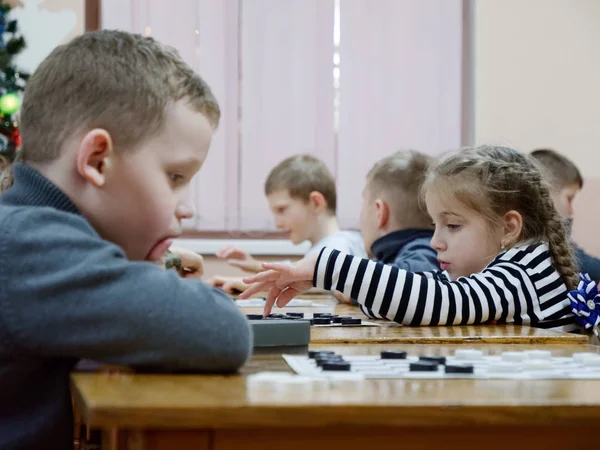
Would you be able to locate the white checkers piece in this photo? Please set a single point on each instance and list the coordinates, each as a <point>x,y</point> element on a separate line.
<point>288,382</point>
<point>592,361</point>
<point>513,356</point>
<point>539,354</point>
<point>266,380</point>
<point>294,383</point>
<point>505,367</point>
<point>538,364</point>
<point>581,357</point>
<point>468,355</point>
<point>320,383</point>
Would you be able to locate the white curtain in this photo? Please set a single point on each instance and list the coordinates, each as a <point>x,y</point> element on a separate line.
<point>270,64</point>
<point>400,86</point>
<point>206,34</point>
<point>287,93</point>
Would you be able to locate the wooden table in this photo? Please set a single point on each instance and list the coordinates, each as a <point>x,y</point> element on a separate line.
<point>392,333</point>
<point>218,412</point>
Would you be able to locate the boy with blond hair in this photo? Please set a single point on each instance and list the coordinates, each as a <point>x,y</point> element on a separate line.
<point>565,182</point>
<point>114,127</point>
<point>302,198</point>
<point>395,227</point>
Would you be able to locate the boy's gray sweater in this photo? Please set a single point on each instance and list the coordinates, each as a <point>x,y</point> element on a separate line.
<point>67,294</point>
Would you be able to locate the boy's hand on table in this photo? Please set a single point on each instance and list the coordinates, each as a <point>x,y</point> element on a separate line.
<point>283,281</point>
<point>239,258</point>
<point>231,285</point>
<point>188,264</point>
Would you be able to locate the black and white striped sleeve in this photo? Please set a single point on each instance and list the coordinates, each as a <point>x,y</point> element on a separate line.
<point>503,292</point>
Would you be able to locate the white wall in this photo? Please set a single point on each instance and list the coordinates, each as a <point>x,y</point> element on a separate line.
<point>46,24</point>
<point>537,76</point>
<point>537,83</point>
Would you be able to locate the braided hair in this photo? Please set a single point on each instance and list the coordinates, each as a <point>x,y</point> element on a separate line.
<point>494,180</point>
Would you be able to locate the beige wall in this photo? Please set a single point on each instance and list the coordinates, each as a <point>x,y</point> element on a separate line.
<point>537,83</point>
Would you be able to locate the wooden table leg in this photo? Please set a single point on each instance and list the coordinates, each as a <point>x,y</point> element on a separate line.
<point>113,439</point>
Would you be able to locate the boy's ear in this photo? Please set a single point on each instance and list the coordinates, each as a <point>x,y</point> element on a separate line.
<point>513,225</point>
<point>383,213</point>
<point>94,156</point>
<point>318,201</point>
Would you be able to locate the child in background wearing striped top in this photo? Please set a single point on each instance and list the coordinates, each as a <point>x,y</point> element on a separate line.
<point>501,245</point>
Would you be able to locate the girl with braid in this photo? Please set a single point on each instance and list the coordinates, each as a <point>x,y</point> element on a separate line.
<point>501,245</point>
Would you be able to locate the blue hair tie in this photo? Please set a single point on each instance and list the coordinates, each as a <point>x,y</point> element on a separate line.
<point>585,303</point>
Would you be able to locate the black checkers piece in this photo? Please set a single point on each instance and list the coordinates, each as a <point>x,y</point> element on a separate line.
<point>321,321</point>
<point>329,315</point>
<point>340,366</point>
<point>435,359</point>
<point>459,368</point>
<point>296,315</point>
<point>338,319</point>
<point>276,316</point>
<point>351,321</point>
<point>254,316</point>
<point>423,366</point>
<point>315,353</point>
<point>393,354</point>
<point>324,360</point>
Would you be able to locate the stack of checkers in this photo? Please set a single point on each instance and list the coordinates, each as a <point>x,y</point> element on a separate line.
<point>317,319</point>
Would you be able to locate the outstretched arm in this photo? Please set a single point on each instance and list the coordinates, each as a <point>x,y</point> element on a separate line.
<point>503,292</point>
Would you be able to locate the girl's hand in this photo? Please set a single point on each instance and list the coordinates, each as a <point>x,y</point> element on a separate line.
<point>283,281</point>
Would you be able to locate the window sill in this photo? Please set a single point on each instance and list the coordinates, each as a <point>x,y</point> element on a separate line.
<point>252,246</point>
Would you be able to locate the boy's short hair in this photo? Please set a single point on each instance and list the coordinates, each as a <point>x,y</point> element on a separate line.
<point>118,81</point>
<point>400,176</point>
<point>558,169</point>
<point>300,175</point>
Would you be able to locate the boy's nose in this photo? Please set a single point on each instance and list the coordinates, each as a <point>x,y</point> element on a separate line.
<point>185,211</point>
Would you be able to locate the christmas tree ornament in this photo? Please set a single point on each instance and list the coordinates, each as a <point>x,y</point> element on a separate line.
<point>12,81</point>
<point>9,104</point>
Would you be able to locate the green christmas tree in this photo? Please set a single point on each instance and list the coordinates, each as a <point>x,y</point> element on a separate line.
<point>12,82</point>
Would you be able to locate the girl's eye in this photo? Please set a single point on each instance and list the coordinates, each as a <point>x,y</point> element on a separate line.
<point>453,226</point>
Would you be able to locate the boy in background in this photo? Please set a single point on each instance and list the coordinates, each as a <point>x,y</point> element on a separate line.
<point>302,198</point>
<point>565,182</point>
<point>114,127</point>
<point>395,227</point>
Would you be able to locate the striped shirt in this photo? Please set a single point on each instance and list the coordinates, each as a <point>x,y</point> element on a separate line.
<point>519,286</point>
